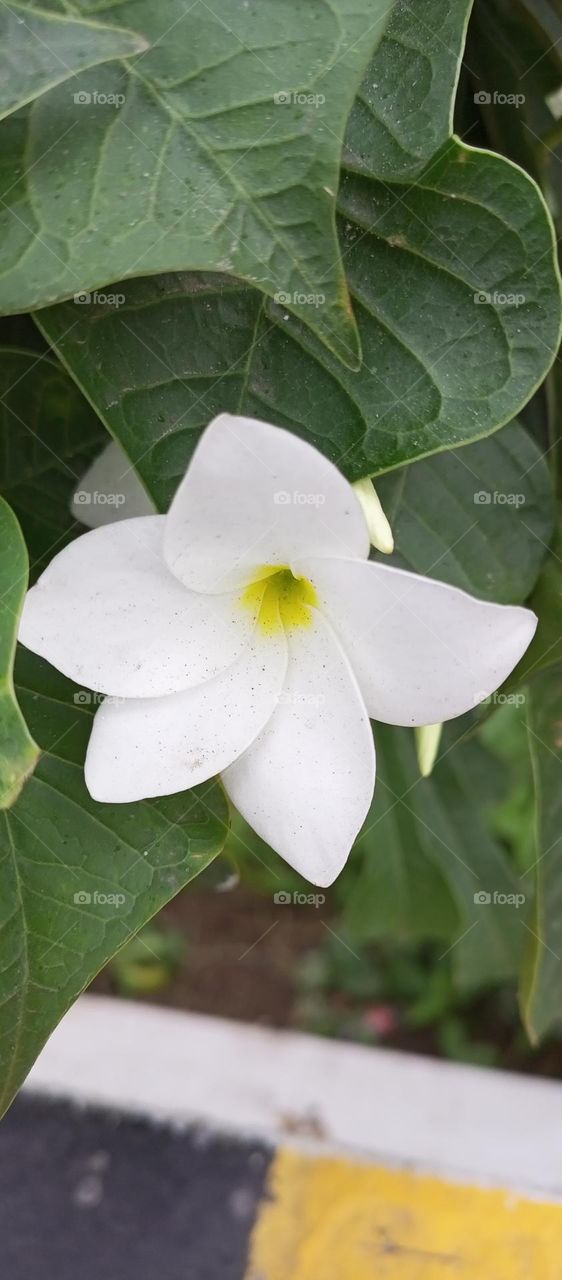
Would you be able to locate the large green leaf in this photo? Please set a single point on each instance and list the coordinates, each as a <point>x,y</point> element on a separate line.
<point>542,978</point>
<point>77,878</point>
<point>217,149</point>
<point>440,368</point>
<point>49,434</point>
<point>428,837</point>
<point>18,752</point>
<point>39,50</point>
<point>479,518</point>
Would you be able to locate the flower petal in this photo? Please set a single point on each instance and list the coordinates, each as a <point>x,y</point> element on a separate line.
<point>306,783</point>
<point>145,747</point>
<point>422,651</point>
<point>110,490</point>
<point>253,495</point>
<point>108,613</point>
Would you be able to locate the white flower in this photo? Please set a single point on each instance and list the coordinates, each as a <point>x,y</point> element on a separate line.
<point>246,634</point>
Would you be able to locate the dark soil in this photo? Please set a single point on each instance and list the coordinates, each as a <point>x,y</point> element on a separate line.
<point>241,954</point>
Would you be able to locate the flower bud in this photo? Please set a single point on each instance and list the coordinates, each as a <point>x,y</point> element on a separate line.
<point>380,531</point>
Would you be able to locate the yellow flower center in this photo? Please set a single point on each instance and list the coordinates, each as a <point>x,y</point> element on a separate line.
<point>282,599</point>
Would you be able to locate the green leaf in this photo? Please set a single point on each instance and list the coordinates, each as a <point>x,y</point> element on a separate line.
<point>18,753</point>
<point>440,369</point>
<point>403,113</point>
<point>479,518</point>
<point>49,436</point>
<point>186,160</point>
<point>39,50</point>
<point>542,975</point>
<point>457,297</point>
<point>77,878</point>
<point>392,888</point>
<point>545,651</point>
<point>428,837</point>
<point>181,348</point>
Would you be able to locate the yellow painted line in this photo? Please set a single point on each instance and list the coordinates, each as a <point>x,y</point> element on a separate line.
<point>334,1220</point>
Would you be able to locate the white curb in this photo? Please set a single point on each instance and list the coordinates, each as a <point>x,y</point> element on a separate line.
<point>467,1123</point>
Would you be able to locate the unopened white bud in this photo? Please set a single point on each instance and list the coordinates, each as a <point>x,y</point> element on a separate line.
<point>380,531</point>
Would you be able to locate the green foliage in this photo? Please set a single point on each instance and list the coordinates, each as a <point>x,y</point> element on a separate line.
<point>217,148</point>
<point>18,752</point>
<point>79,878</point>
<point>427,857</point>
<point>542,987</point>
<point>479,518</point>
<point>342,263</point>
<point>50,435</point>
<point>39,50</point>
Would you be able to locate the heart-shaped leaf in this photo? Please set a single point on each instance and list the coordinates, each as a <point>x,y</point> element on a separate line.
<point>216,149</point>
<point>78,879</point>
<point>39,50</point>
<point>18,752</point>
